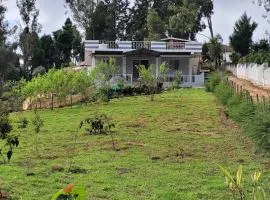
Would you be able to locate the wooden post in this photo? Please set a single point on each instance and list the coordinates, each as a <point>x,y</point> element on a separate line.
<point>52,95</point>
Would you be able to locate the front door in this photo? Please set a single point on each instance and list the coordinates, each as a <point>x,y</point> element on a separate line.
<point>136,64</point>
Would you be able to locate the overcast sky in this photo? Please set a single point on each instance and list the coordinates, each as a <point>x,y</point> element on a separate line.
<point>53,15</point>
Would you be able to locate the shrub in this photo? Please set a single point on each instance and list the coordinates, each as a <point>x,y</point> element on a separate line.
<point>99,125</point>
<point>253,118</point>
<point>70,192</point>
<point>148,79</point>
<point>213,80</point>
<point>236,186</point>
<point>223,92</point>
<point>10,139</point>
<point>258,128</point>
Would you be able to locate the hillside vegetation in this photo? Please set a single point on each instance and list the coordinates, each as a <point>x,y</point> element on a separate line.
<point>166,149</point>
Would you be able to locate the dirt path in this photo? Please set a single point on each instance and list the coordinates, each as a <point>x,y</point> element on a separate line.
<point>257,93</point>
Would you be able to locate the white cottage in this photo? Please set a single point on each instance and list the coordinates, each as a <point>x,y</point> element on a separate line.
<point>180,54</point>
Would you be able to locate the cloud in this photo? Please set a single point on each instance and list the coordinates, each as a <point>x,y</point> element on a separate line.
<point>226,12</point>
<point>52,14</point>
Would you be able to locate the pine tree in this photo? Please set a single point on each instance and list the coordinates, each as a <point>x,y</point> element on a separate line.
<point>241,39</point>
<point>66,40</point>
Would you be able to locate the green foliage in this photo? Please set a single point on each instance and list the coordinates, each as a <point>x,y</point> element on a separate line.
<point>253,118</point>
<point>182,23</point>
<point>262,45</point>
<point>103,73</point>
<point>259,57</point>
<point>61,82</point>
<point>215,50</point>
<point>39,71</point>
<point>178,79</point>
<point>235,57</point>
<point>67,39</point>
<point>155,25</point>
<point>164,69</point>
<point>241,39</point>
<point>22,123</point>
<point>235,184</point>
<point>70,192</point>
<point>213,80</point>
<point>10,140</point>
<point>99,125</point>
<point>148,78</point>
<point>38,123</point>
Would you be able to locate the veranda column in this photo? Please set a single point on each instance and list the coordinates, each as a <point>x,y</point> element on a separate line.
<point>93,61</point>
<point>157,66</point>
<point>124,65</point>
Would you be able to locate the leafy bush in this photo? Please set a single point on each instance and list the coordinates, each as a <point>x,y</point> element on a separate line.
<point>148,79</point>
<point>10,139</point>
<point>99,125</point>
<point>213,80</point>
<point>70,192</point>
<point>224,92</point>
<point>259,57</point>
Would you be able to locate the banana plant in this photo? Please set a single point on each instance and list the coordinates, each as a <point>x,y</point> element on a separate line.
<point>235,185</point>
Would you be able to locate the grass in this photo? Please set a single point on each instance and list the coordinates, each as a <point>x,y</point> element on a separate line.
<point>168,149</point>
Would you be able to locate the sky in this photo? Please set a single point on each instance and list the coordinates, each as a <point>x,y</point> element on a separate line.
<point>53,15</point>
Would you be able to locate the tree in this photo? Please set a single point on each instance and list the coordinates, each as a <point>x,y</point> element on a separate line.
<point>8,63</point>
<point>66,40</point>
<point>205,52</point>
<point>262,45</point>
<point>183,22</point>
<point>163,8</point>
<point>3,24</point>
<point>137,25</point>
<point>83,11</point>
<point>155,26</point>
<point>28,41</point>
<point>215,50</point>
<point>99,22</point>
<point>46,43</point>
<point>241,39</point>
<point>207,7</point>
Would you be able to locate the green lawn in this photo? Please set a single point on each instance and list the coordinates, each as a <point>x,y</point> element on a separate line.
<point>168,149</point>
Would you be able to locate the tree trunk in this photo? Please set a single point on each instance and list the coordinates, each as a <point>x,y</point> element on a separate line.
<point>1,83</point>
<point>210,25</point>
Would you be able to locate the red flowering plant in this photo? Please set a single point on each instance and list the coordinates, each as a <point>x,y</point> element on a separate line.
<point>70,192</point>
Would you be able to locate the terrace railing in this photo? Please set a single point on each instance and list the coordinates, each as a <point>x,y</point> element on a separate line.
<point>190,46</point>
<point>127,78</point>
<point>175,45</point>
<point>141,45</point>
<point>108,44</point>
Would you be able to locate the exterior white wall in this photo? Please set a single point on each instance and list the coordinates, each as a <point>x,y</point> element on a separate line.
<point>257,74</point>
<point>226,57</point>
